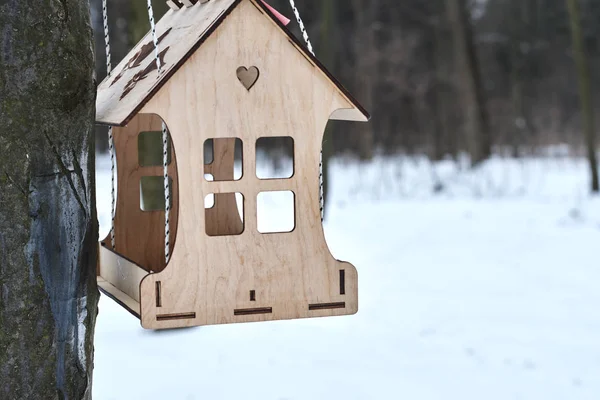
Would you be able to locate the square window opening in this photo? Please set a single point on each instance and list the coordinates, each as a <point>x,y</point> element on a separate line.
<point>223,159</point>
<point>152,193</point>
<point>209,201</point>
<point>224,214</point>
<point>276,212</point>
<point>150,149</point>
<point>275,157</point>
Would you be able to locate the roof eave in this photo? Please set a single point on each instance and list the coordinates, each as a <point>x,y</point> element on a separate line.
<point>358,113</point>
<point>349,114</point>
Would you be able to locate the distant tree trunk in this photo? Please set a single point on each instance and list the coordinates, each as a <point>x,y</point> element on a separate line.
<point>516,81</point>
<point>118,17</point>
<point>477,119</point>
<point>520,34</point>
<point>365,12</point>
<point>139,24</point>
<point>48,224</point>
<point>585,93</point>
<point>327,56</point>
<point>439,106</point>
<point>444,142</point>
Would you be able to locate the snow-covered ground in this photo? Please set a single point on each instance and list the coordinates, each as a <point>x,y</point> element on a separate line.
<point>472,286</point>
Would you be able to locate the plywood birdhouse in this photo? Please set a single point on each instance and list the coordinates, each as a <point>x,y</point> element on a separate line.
<point>231,73</point>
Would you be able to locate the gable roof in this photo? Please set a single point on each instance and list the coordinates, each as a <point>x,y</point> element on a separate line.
<point>180,33</point>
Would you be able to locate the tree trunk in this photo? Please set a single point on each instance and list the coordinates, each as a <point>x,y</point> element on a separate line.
<point>327,56</point>
<point>139,24</point>
<point>443,141</point>
<point>477,119</point>
<point>585,94</point>
<point>48,224</point>
<point>120,44</point>
<point>365,68</point>
<point>520,33</point>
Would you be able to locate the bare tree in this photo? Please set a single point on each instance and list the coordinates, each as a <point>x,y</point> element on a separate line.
<point>48,224</point>
<point>119,12</point>
<point>365,12</point>
<point>585,90</point>
<point>477,119</point>
<point>327,54</point>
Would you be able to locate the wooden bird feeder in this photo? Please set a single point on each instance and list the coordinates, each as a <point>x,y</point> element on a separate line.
<point>231,72</point>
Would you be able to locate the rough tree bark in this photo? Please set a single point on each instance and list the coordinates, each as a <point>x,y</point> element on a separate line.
<point>477,119</point>
<point>48,224</point>
<point>585,90</point>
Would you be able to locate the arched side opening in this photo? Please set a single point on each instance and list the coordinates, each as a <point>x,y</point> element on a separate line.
<point>140,204</point>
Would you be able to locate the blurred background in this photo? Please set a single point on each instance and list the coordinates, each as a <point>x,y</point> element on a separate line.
<point>441,78</point>
<point>466,205</point>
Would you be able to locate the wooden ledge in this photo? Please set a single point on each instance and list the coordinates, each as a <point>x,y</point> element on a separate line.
<point>120,279</point>
<point>118,296</point>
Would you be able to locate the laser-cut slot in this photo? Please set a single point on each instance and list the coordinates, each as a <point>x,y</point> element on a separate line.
<point>253,295</point>
<point>171,317</point>
<point>253,311</point>
<point>176,4</point>
<point>158,295</point>
<point>326,306</point>
<point>342,281</point>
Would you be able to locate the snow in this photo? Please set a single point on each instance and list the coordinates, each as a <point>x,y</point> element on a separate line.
<point>472,285</point>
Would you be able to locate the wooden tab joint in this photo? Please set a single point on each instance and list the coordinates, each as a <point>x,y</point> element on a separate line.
<point>179,4</point>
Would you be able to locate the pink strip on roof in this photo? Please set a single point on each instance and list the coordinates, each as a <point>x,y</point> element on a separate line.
<point>285,21</point>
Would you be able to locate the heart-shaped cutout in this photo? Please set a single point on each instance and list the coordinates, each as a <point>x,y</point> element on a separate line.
<point>248,76</point>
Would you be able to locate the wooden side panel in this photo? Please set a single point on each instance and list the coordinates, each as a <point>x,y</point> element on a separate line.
<point>140,235</point>
<point>251,276</point>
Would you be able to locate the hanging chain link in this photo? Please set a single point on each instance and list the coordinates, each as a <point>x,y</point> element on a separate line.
<point>111,147</point>
<point>165,136</point>
<point>310,48</point>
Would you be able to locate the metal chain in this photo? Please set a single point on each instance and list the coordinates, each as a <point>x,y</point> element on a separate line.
<point>111,147</point>
<point>165,135</point>
<point>310,48</point>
